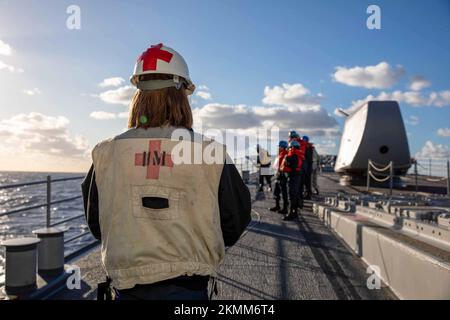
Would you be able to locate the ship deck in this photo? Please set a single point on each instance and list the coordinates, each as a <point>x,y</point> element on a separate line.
<point>273,259</point>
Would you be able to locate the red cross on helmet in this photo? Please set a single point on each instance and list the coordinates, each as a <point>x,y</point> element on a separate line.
<point>161,59</point>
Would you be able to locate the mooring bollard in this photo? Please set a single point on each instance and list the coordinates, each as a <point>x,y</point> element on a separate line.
<point>20,265</point>
<point>50,251</point>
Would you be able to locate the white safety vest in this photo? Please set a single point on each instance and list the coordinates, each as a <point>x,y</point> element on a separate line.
<point>141,245</point>
<point>264,158</point>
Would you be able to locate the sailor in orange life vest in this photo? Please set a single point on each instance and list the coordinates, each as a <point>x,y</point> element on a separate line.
<point>294,136</point>
<point>281,180</point>
<point>163,224</point>
<point>292,164</point>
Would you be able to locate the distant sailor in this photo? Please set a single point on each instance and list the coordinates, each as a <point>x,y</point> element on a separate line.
<point>292,165</point>
<point>294,136</point>
<point>163,224</point>
<point>305,188</point>
<point>263,161</point>
<point>281,180</point>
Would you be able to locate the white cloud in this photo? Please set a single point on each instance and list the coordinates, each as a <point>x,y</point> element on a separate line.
<point>418,83</point>
<point>292,95</point>
<point>104,115</point>
<point>431,150</point>
<point>289,106</point>
<point>247,119</point>
<point>444,132</point>
<point>10,68</point>
<point>204,95</point>
<point>224,116</point>
<point>412,98</point>
<point>203,87</point>
<point>111,82</point>
<point>32,92</point>
<point>36,133</point>
<point>5,49</point>
<point>412,120</point>
<point>439,99</point>
<point>120,95</point>
<point>326,147</point>
<point>203,92</point>
<point>6,66</point>
<point>379,76</point>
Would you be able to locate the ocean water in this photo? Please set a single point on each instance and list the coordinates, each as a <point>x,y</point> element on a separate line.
<point>23,223</point>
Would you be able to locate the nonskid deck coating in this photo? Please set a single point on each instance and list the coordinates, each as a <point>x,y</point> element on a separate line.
<point>274,259</point>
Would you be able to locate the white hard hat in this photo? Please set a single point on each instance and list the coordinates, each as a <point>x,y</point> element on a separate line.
<point>161,59</point>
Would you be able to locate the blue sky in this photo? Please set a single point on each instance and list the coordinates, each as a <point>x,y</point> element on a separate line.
<point>235,48</point>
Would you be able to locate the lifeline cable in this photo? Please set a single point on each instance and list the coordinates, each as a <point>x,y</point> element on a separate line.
<point>377,179</point>
<point>379,169</point>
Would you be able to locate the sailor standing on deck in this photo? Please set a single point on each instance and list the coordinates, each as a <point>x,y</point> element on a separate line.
<point>294,136</point>
<point>281,180</point>
<point>307,169</point>
<point>163,223</point>
<point>292,165</point>
<point>263,161</point>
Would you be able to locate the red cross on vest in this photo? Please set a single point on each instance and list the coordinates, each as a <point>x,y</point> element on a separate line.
<point>150,57</point>
<point>153,159</point>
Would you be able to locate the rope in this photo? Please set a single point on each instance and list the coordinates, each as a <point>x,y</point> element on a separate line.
<point>379,169</point>
<point>377,179</point>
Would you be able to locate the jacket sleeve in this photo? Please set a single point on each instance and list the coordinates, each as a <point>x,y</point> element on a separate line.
<point>90,201</point>
<point>234,204</point>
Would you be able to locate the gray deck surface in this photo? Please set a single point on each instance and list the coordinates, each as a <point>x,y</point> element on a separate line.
<point>273,260</point>
<point>292,260</point>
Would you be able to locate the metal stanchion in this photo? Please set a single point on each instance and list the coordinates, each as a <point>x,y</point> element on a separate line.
<point>391,174</point>
<point>416,178</point>
<point>49,200</point>
<point>429,168</point>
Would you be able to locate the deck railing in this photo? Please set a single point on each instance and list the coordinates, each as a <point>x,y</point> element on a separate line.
<point>441,172</point>
<point>434,168</point>
<point>48,204</point>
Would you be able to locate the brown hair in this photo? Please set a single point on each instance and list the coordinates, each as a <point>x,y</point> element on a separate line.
<point>156,108</point>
